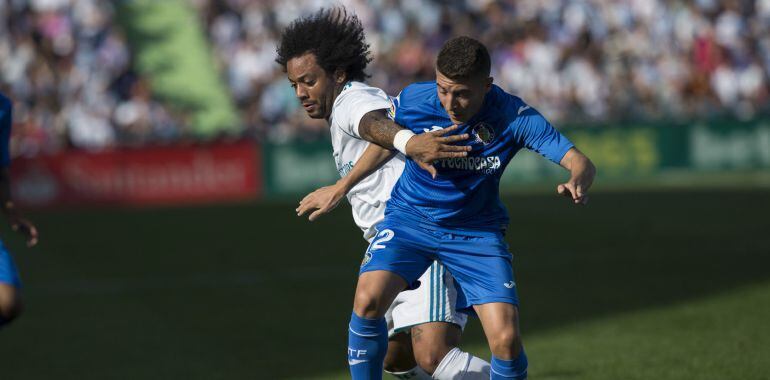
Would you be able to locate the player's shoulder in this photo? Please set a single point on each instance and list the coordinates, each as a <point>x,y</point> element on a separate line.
<point>513,108</point>
<point>356,90</point>
<point>417,92</point>
<point>419,96</point>
<point>354,94</point>
<point>418,89</point>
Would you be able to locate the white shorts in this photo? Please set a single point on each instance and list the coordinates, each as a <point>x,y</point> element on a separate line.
<point>433,301</point>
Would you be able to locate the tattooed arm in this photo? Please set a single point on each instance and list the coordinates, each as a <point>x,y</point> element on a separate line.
<point>376,127</point>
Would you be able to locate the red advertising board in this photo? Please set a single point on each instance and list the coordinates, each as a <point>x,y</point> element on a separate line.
<point>146,176</point>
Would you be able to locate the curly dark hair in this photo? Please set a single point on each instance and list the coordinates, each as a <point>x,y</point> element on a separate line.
<point>335,37</point>
<point>462,58</point>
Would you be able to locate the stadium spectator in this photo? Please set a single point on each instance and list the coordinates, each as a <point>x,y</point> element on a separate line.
<point>68,69</point>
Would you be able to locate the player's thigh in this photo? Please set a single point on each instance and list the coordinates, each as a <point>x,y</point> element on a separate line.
<point>375,291</point>
<point>482,269</point>
<point>432,341</point>
<point>400,357</point>
<point>400,248</point>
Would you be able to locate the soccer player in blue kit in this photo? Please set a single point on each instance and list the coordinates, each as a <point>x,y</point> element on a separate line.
<point>456,217</point>
<point>10,301</point>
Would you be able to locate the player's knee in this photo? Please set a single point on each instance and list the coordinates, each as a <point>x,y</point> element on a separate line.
<point>367,305</point>
<point>506,344</point>
<point>429,360</point>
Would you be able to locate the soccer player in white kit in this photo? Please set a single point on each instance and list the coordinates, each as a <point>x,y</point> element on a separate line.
<point>324,56</point>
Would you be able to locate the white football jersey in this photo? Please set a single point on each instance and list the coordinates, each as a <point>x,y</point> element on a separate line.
<point>369,196</point>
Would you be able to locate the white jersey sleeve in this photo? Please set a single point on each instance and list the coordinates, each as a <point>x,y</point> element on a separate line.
<point>356,100</point>
<point>369,196</point>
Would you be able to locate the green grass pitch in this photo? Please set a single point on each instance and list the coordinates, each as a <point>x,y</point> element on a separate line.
<point>664,285</point>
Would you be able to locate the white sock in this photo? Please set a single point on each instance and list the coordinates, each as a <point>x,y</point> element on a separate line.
<point>459,365</point>
<point>477,369</point>
<point>415,373</point>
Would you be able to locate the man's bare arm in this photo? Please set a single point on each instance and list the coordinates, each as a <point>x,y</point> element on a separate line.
<point>582,173</point>
<point>376,127</point>
<point>327,198</point>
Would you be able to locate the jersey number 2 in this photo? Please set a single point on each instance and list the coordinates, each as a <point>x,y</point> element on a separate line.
<point>382,237</point>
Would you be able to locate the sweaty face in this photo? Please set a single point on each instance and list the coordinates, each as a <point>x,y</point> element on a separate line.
<point>462,98</point>
<point>313,86</point>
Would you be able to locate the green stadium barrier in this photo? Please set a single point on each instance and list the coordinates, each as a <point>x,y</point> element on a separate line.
<point>660,154</point>
<point>688,154</point>
<point>296,168</point>
<point>170,48</point>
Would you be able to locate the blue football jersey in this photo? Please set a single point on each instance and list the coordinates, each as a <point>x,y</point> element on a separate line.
<point>5,130</point>
<point>465,194</point>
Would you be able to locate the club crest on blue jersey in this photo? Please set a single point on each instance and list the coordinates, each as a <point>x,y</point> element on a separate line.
<point>483,133</point>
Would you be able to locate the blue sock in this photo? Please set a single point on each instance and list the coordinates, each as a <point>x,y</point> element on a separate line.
<point>510,369</point>
<point>367,345</point>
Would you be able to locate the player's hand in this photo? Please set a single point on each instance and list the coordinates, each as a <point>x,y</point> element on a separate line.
<point>25,228</point>
<point>321,201</point>
<point>431,146</point>
<point>576,189</point>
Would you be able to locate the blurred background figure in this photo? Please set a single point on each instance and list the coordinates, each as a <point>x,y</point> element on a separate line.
<point>10,283</point>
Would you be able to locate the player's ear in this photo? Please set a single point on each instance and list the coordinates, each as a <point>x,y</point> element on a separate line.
<point>340,76</point>
<point>488,85</point>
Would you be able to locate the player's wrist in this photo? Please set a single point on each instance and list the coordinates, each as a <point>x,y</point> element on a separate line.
<point>400,140</point>
<point>343,185</point>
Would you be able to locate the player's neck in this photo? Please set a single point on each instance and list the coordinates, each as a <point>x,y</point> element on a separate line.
<point>337,91</point>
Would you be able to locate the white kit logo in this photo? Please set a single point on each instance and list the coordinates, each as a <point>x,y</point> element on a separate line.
<point>510,284</point>
<point>356,353</point>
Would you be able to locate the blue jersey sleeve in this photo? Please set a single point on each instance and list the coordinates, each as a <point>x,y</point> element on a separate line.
<point>6,108</point>
<point>535,133</point>
<point>414,101</point>
<point>397,110</point>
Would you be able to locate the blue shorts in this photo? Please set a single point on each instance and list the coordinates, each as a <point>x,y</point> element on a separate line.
<point>8,273</point>
<point>478,260</point>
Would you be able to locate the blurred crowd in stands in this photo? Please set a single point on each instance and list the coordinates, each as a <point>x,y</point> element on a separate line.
<point>68,66</point>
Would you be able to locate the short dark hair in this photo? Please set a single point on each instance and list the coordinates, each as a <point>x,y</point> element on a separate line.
<point>335,37</point>
<point>462,58</point>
